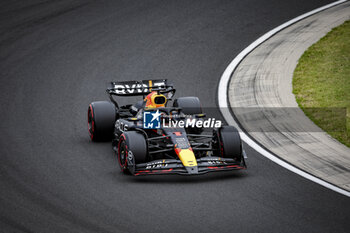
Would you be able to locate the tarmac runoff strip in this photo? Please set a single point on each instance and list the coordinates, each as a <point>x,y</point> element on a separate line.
<point>260,78</point>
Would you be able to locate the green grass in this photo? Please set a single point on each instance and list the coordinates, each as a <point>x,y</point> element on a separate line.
<point>321,83</point>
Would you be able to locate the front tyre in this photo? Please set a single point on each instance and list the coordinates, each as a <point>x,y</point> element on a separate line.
<point>229,142</point>
<point>132,150</point>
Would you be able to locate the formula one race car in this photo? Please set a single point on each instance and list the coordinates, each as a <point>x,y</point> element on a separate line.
<point>150,138</point>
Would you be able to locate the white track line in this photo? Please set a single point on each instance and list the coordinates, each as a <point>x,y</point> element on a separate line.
<point>224,107</point>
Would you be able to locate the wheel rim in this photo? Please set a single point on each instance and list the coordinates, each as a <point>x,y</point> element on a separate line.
<point>122,153</point>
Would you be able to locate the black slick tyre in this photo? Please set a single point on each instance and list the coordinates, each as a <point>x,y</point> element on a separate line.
<point>101,119</point>
<point>132,150</point>
<point>229,143</point>
<point>190,106</point>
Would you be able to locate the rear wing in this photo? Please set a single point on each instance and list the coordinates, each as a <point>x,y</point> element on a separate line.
<point>136,88</point>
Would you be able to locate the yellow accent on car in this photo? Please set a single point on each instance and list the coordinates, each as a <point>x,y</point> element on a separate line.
<point>187,158</point>
<point>150,84</point>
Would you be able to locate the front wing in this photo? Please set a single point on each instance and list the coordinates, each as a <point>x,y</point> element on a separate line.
<point>175,166</point>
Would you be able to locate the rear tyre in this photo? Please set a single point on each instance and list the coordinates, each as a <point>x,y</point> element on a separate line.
<point>132,150</point>
<point>190,105</point>
<point>101,119</point>
<point>229,142</point>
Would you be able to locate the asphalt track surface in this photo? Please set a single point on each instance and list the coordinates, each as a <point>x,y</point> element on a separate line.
<point>57,56</point>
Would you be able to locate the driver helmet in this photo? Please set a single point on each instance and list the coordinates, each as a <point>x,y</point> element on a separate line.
<point>155,100</point>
